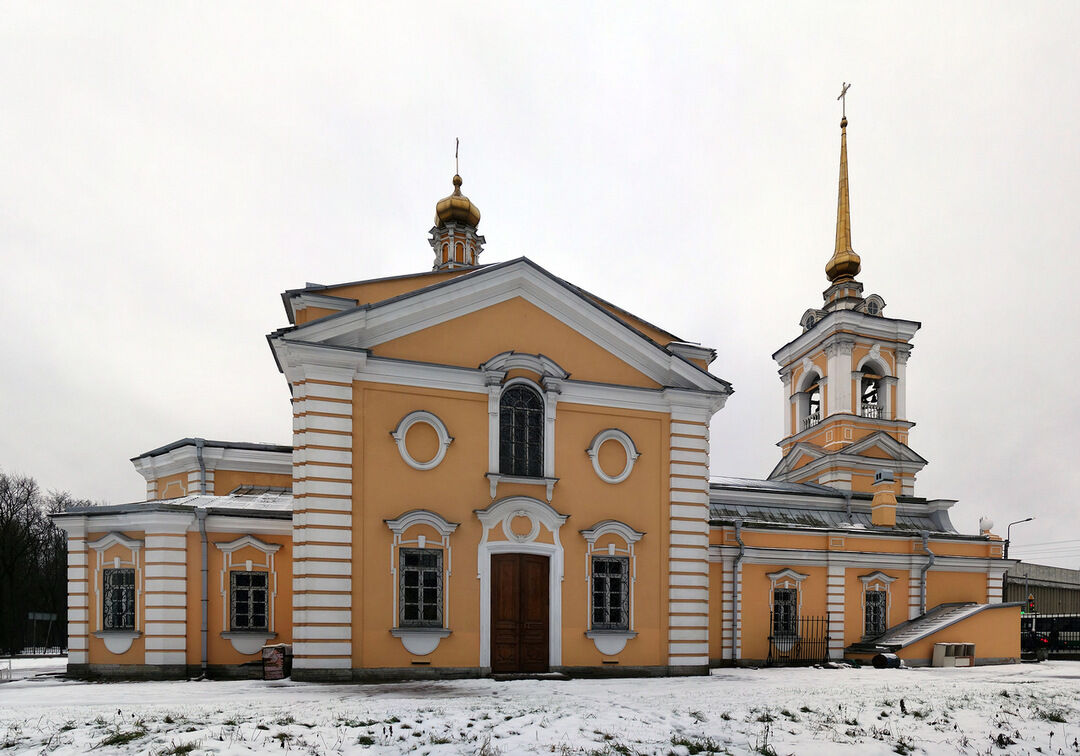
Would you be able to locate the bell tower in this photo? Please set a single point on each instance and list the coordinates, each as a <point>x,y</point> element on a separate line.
<point>845,378</point>
<point>454,238</point>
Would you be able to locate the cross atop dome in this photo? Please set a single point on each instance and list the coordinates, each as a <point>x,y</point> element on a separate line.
<point>454,237</point>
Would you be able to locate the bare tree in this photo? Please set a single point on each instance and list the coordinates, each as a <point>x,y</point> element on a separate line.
<point>33,561</point>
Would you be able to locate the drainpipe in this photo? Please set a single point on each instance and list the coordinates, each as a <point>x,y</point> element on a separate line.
<point>200,515</point>
<point>736,598</point>
<point>925,569</point>
<point>199,442</point>
<point>847,506</point>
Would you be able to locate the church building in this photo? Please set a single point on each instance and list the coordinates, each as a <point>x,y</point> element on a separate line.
<point>494,471</point>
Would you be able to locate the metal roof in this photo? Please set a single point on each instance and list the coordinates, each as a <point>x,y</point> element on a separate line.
<point>753,484</point>
<point>215,445</point>
<point>244,502</point>
<point>820,517</point>
<point>774,503</point>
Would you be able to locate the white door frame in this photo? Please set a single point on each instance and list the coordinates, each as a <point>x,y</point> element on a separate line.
<point>500,514</point>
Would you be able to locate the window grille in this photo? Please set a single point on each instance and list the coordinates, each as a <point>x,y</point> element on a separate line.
<point>876,621</point>
<point>118,610</point>
<point>521,432</point>
<point>785,612</point>
<point>249,606</point>
<point>610,593</point>
<point>420,599</point>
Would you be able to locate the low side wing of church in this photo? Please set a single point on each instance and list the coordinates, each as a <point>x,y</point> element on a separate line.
<point>494,471</point>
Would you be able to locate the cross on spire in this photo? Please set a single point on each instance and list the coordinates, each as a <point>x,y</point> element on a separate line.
<point>843,100</point>
<point>457,143</point>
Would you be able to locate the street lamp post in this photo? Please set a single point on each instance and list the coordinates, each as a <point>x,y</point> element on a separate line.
<point>1008,529</point>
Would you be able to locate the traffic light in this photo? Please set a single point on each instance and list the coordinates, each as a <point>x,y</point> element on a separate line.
<point>1031,603</point>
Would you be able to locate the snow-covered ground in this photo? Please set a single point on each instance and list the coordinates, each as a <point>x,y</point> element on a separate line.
<point>1028,708</point>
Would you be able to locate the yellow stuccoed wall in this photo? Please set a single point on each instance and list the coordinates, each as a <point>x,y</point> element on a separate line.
<point>384,487</point>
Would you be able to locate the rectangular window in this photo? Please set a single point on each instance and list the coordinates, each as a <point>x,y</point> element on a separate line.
<point>249,607</point>
<point>876,619</point>
<point>420,589</point>
<point>610,593</point>
<point>785,612</point>
<point>118,605</point>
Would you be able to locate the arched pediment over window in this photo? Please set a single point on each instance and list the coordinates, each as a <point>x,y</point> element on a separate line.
<point>536,363</point>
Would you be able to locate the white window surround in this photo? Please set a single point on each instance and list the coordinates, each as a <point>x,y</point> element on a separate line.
<point>786,578</point>
<point>428,418</point>
<point>536,511</point>
<point>789,579</point>
<point>420,641</point>
<point>878,363</point>
<point>549,387</point>
<point>624,440</point>
<point>876,581</point>
<point>610,642</point>
<point>248,642</point>
<point>807,380</point>
<point>116,641</point>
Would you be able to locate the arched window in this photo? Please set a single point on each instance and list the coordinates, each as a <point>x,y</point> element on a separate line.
<point>870,393</point>
<point>521,432</point>
<point>810,404</point>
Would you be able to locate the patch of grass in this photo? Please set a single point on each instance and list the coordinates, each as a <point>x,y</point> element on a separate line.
<point>69,725</point>
<point>1003,741</point>
<point>904,745</point>
<point>395,720</point>
<point>726,716</point>
<point>365,740</point>
<point>698,745</point>
<point>286,720</point>
<point>262,726</point>
<point>789,715</point>
<point>168,719</point>
<point>440,740</point>
<point>698,717</point>
<point>765,716</point>
<point>1054,715</point>
<point>357,722</point>
<point>119,738</point>
<point>805,709</point>
<point>283,738</point>
<point>178,749</point>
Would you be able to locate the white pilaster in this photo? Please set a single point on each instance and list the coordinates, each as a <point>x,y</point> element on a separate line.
<point>835,588</point>
<point>322,519</point>
<point>688,644</point>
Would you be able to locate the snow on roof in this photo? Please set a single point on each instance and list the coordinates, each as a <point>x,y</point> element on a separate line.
<point>246,501</point>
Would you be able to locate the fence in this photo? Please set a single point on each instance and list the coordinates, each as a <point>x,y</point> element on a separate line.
<point>798,640</point>
<point>1062,632</point>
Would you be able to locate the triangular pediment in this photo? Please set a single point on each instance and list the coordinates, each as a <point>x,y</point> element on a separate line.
<point>883,446</point>
<point>462,308</point>
<point>878,445</point>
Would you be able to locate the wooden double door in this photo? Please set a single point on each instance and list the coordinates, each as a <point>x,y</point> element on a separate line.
<point>519,613</point>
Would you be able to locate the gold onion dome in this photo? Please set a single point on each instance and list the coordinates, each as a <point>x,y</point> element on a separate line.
<point>845,264</point>
<point>457,208</point>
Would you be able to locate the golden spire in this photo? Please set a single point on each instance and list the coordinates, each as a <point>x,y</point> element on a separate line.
<point>844,264</point>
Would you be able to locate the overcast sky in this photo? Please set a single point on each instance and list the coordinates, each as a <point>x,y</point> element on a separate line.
<point>166,170</point>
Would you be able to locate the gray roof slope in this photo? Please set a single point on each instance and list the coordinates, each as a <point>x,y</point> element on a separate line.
<point>215,445</point>
<point>753,484</point>
<point>817,517</point>
<point>812,505</point>
<point>244,502</point>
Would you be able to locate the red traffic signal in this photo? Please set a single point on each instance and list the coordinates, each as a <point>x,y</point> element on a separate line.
<point>1031,603</point>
